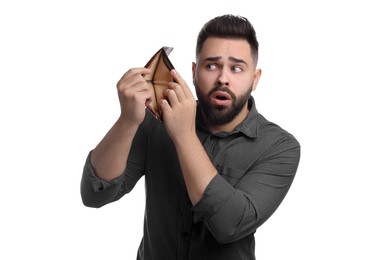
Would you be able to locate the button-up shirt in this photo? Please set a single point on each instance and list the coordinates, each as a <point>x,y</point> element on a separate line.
<point>256,163</point>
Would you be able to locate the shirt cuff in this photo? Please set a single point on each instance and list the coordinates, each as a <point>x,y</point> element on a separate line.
<point>216,195</point>
<point>97,184</point>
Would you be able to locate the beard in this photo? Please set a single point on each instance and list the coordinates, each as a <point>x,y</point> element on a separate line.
<point>217,115</point>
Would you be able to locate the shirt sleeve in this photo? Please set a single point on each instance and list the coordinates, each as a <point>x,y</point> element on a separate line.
<point>233,212</point>
<point>96,192</point>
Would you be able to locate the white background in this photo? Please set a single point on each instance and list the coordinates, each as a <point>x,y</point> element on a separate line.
<point>325,79</point>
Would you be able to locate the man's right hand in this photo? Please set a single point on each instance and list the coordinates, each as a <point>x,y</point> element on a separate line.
<point>134,95</point>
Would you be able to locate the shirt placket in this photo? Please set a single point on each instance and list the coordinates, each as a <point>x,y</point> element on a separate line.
<point>185,232</point>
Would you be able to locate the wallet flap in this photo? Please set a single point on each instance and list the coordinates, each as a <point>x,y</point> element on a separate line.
<point>159,78</point>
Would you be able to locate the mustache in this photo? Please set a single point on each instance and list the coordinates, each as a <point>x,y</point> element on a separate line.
<point>222,88</point>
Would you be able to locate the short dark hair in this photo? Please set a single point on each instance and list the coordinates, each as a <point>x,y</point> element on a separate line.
<point>229,26</point>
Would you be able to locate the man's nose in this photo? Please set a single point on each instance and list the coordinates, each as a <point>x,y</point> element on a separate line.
<point>223,78</point>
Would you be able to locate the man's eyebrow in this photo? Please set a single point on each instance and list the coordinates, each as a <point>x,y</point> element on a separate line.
<point>237,60</point>
<point>213,58</point>
<point>217,58</point>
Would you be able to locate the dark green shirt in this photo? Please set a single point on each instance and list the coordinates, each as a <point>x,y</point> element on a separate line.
<point>256,164</point>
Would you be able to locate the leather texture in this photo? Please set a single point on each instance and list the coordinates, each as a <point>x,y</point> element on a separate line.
<point>159,78</point>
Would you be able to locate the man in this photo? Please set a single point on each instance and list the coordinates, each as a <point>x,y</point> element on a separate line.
<point>214,170</point>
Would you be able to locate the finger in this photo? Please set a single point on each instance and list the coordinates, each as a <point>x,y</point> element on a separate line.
<point>135,71</point>
<point>178,89</point>
<point>171,96</point>
<point>165,108</point>
<point>136,83</point>
<point>181,81</point>
<point>135,96</point>
<point>134,77</point>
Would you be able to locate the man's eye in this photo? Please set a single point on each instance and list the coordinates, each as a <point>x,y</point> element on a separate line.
<point>211,66</point>
<point>236,69</point>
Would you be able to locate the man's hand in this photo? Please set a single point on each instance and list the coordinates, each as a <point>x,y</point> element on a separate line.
<point>134,95</point>
<point>179,108</point>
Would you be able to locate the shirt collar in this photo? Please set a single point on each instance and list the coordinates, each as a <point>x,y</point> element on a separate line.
<point>248,126</point>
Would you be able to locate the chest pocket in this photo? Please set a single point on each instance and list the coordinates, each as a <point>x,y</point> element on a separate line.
<point>231,175</point>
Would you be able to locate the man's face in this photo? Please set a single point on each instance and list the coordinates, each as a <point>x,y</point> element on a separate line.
<point>224,78</point>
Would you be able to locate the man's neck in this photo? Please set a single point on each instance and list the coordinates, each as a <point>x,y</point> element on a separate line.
<point>229,127</point>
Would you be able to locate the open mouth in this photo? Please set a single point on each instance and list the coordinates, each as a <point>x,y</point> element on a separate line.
<point>221,95</point>
<point>221,98</point>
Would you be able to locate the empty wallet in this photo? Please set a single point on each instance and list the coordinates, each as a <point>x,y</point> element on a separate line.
<point>159,78</point>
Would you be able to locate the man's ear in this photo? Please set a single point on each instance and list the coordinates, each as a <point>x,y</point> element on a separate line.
<point>193,70</point>
<point>256,78</point>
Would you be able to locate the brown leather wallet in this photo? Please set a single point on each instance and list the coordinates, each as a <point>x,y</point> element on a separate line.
<point>159,78</point>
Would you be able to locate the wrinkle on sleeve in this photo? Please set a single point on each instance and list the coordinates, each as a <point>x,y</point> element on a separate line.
<point>231,213</point>
<point>96,192</point>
